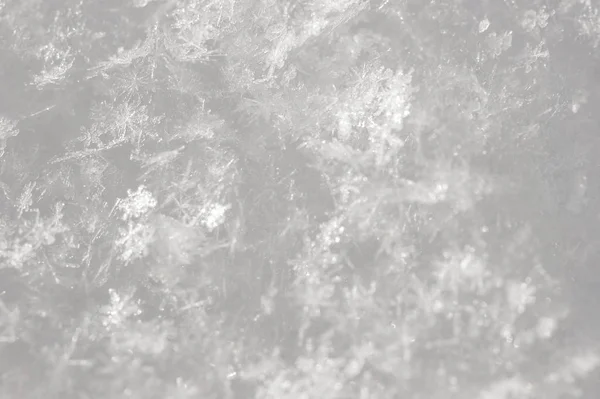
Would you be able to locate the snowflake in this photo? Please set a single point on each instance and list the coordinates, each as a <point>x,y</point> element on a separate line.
<point>26,198</point>
<point>130,116</point>
<point>132,81</point>
<point>54,75</point>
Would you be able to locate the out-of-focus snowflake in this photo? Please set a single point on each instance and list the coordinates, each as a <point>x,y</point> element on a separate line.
<point>536,56</point>
<point>137,203</point>
<point>120,309</point>
<point>142,338</point>
<point>182,390</point>
<point>175,241</point>
<point>589,25</point>
<point>520,295</point>
<point>532,20</point>
<point>395,102</point>
<point>344,126</point>
<point>579,366</point>
<point>8,128</point>
<point>9,321</point>
<point>141,3</point>
<point>484,24</point>
<point>513,387</point>
<point>463,269</point>
<point>499,43</point>
<point>546,327</point>
<point>134,241</point>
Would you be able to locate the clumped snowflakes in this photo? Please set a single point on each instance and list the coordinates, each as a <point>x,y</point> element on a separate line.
<point>137,203</point>
<point>214,215</point>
